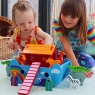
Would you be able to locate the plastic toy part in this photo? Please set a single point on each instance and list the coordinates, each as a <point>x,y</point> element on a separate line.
<point>7,67</point>
<point>21,60</point>
<point>35,53</point>
<point>48,84</point>
<point>74,83</point>
<point>79,69</point>
<point>29,79</point>
<point>79,76</point>
<point>33,70</point>
<point>16,54</point>
<point>19,56</point>
<point>14,79</point>
<point>52,62</point>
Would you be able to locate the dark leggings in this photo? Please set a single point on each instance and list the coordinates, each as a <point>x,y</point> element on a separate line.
<point>85,59</point>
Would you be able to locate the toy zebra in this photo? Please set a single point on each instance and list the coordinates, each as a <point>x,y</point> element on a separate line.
<point>16,54</point>
<point>74,83</point>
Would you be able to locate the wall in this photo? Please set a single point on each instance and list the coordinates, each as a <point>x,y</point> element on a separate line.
<point>12,2</point>
<point>88,5</point>
<point>93,6</point>
<point>35,3</point>
<point>0,7</point>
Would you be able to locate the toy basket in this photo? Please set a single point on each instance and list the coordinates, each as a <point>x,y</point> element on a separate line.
<point>5,53</point>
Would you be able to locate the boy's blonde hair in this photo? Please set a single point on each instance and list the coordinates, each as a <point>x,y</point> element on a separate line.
<point>75,8</point>
<point>22,6</point>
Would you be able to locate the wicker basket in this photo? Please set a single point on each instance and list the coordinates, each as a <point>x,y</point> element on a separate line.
<point>5,26</point>
<point>5,53</point>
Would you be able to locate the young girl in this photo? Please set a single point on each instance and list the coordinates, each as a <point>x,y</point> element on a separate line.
<point>26,32</point>
<point>73,31</point>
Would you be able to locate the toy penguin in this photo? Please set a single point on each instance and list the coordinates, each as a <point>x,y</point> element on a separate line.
<point>48,84</point>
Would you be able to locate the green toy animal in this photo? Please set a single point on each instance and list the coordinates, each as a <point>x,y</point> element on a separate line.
<point>7,67</point>
<point>78,68</point>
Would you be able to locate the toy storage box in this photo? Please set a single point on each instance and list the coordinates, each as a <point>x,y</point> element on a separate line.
<point>5,53</point>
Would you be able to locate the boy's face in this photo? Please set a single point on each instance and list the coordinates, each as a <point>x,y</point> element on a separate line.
<point>25,20</point>
<point>69,21</point>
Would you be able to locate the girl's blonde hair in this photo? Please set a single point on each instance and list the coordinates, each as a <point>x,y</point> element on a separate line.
<point>22,6</point>
<point>75,8</point>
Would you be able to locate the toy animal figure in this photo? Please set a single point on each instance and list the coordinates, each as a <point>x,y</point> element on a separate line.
<point>16,54</point>
<point>48,84</point>
<point>78,68</point>
<point>74,83</point>
<point>52,62</point>
<point>19,57</point>
<point>21,60</point>
<point>7,67</point>
<point>79,76</point>
<point>61,56</point>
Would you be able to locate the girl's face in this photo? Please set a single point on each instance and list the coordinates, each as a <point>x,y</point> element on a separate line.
<point>25,20</point>
<point>69,21</point>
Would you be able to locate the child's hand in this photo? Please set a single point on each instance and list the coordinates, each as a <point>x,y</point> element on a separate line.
<point>88,74</point>
<point>16,46</point>
<point>11,45</point>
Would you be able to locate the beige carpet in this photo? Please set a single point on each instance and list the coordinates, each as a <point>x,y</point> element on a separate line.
<point>6,89</point>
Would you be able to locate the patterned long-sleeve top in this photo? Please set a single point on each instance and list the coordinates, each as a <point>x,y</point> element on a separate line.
<point>73,36</point>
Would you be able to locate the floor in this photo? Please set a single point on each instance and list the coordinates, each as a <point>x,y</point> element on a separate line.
<point>62,89</point>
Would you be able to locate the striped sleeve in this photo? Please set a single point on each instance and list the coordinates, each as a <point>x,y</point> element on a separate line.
<point>57,28</point>
<point>91,34</point>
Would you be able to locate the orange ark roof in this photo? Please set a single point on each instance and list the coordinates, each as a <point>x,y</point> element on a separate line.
<point>39,49</point>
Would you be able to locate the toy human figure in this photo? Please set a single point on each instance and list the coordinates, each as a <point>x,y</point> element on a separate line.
<point>14,79</point>
<point>48,84</point>
<point>26,31</point>
<point>73,31</point>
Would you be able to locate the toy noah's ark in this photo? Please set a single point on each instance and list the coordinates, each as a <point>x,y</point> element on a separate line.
<point>40,63</point>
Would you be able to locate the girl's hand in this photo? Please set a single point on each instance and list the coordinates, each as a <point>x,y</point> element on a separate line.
<point>16,46</point>
<point>13,45</point>
<point>88,74</point>
<point>10,45</point>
